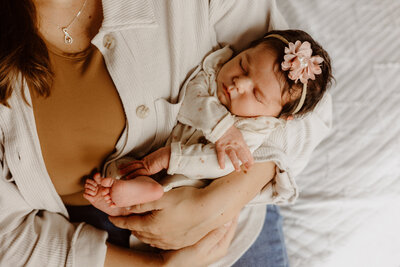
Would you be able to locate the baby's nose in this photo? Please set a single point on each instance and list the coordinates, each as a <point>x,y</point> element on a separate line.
<point>243,84</point>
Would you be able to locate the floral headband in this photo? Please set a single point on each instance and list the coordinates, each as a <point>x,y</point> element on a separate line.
<point>301,65</point>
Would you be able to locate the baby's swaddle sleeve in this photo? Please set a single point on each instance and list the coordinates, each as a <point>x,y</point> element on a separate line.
<point>203,111</point>
<point>199,161</point>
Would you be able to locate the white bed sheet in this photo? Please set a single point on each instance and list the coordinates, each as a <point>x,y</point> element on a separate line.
<point>348,212</point>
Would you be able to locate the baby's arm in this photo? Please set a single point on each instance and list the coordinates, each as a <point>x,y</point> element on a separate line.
<point>200,161</point>
<point>149,165</point>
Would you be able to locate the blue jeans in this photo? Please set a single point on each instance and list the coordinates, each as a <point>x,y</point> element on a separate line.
<point>269,250</point>
<point>99,219</point>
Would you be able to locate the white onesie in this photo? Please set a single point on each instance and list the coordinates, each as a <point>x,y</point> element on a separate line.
<point>202,120</point>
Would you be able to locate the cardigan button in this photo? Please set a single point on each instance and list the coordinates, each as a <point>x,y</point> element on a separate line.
<point>142,111</point>
<point>109,41</point>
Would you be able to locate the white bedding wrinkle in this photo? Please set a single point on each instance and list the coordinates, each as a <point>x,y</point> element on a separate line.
<point>348,211</point>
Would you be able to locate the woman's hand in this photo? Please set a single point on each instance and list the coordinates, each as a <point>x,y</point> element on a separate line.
<point>185,215</point>
<point>177,220</point>
<point>209,249</point>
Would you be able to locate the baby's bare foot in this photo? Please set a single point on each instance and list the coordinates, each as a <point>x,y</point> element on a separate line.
<point>91,188</point>
<point>100,197</point>
<point>126,193</point>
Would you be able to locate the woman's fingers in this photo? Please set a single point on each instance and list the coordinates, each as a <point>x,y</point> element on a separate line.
<point>153,241</point>
<point>144,239</point>
<point>132,222</point>
<point>227,239</point>
<point>207,250</point>
<point>139,227</point>
<point>146,207</point>
<point>212,238</point>
<point>216,243</point>
<point>138,222</point>
<point>220,237</point>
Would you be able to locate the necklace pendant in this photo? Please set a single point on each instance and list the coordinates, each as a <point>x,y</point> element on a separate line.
<point>67,38</point>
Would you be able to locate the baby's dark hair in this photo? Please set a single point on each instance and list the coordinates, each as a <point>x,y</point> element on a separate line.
<point>315,88</point>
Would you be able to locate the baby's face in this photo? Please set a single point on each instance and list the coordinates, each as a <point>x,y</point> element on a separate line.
<point>248,84</point>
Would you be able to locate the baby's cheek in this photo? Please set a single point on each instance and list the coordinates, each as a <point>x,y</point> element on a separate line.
<point>221,98</point>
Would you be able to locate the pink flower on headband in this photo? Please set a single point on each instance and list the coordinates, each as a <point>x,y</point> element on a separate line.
<point>299,61</point>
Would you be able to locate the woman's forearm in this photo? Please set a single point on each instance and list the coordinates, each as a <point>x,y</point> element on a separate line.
<point>184,215</point>
<point>237,189</point>
<point>120,257</point>
<point>209,249</point>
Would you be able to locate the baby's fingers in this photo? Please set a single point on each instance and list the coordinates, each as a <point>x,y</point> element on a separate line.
<point>234,159</point>
<point>246,157</point>
<point>221,157</point>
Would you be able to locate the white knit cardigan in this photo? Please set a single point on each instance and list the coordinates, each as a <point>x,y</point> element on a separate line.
<point>150,48</point>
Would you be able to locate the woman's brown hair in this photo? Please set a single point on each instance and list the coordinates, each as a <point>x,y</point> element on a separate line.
<point>315,88</point>
<point>23,54</point>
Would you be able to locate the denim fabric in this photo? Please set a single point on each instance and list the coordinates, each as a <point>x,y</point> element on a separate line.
<point>99,219</point>
<point>269,250</point>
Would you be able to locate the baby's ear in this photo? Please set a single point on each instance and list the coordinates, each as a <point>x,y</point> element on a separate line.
<point>287,117</point>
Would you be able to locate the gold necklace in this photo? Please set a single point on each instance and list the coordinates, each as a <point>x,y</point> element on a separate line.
<point>67,37</point>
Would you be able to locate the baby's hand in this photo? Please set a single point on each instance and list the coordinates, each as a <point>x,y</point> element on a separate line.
<point>151,164</point>
<point>233,144</point>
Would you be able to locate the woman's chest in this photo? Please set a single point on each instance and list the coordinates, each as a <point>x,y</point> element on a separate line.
<point>79,124</point>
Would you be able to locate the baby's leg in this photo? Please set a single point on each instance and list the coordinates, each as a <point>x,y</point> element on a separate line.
<point>126,193</point>
<point>96,194</point>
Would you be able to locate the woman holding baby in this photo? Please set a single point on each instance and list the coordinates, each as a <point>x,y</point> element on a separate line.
<point>85,82</point>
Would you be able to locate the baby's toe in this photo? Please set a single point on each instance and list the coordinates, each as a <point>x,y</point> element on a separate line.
<point>105,191</point>
<point>107,182</point>
<point>91,182</point>
<point>91,188</point>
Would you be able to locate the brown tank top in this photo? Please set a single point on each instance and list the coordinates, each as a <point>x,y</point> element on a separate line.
<point>80,123</point>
